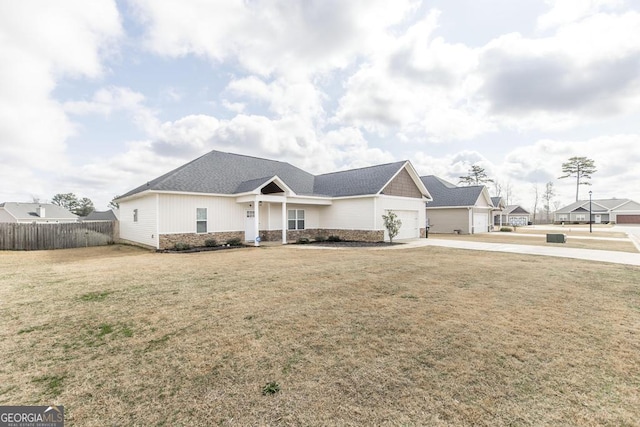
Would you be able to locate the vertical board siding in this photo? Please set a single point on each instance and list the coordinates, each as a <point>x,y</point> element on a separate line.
<point>31,237</point>
<point>144,230</point>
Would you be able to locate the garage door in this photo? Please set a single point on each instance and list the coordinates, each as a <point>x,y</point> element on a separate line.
<point>628,219</point>
<point>480,223</point>
<point>409,228</point>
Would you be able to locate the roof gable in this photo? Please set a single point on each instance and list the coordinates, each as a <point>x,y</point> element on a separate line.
<point>516,209</point>
<point>445,194</point>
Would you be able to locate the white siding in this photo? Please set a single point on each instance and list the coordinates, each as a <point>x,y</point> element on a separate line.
<point>145,230</point>
<point>179,213</point>
<point>386,203</point>
<point>349,214</point>
<point>311,215</point>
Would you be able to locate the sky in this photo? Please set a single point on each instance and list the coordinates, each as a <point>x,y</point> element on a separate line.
<point>99,97</point>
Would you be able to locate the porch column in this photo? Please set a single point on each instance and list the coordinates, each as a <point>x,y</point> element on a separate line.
<point>256,222</point>
<point>284,222</point>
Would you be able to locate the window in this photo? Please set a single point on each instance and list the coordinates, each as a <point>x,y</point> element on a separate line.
<point>581,217</point>
<point>135,215</point>
<point>296,219</point>
<point>563,217</point>
<point>201,220</point>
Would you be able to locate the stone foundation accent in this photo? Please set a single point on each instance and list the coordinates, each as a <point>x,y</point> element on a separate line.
<point>355,235</point>
<point>168,241</point>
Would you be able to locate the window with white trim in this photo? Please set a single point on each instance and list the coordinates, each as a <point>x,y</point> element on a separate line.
<point>563,217</point>
<point>581,217</point>
<point>201,220</point>
<point>135,215</point>
<point>295,219</point>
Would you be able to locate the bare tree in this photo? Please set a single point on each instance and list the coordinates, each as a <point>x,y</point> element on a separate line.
<point>508,193</point>
<point>547,198</point>
<point>497,188</point>
<point>535,201</point>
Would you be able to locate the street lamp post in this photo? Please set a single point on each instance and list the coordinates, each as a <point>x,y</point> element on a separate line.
<point>590,229</point>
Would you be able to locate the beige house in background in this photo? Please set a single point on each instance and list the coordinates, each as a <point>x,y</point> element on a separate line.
<point>463,210</point>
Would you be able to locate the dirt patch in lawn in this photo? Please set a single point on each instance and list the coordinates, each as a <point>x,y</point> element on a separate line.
<point>424,336</point>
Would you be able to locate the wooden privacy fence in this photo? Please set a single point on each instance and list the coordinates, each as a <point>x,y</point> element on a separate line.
<point>29,237</point>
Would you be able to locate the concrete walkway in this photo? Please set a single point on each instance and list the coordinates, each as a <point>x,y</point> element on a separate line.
<point>564,252</point>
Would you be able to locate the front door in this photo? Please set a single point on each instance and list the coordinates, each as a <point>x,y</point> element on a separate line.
<point>249,225</point>
<point>598,219</point>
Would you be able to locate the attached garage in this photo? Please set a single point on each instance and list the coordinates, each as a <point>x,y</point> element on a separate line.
<point>409,228</point>
<point>628,219</point>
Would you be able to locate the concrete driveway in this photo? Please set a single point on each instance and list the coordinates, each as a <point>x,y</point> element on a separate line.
<point>633,231</point>
<point>564,252</point>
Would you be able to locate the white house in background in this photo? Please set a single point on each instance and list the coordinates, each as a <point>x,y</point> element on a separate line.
<point>225,196</point>
<point>603,211</point>
<point>463,210</point>
<point>513,215</point>
<point>27,213</point>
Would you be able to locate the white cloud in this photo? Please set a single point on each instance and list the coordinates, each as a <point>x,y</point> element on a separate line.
<point>283,37</point>
<point>113,99</point>
<point>568,11</point>
<point>69,42</point>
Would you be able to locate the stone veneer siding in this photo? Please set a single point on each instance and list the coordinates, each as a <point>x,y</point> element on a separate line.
<point>356,235</point>
<point>168,241</point>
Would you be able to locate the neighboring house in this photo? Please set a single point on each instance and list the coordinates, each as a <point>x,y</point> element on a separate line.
<point>18,212</point>
<point>498,207</point>
<point>224,196</point>
<point>620,211</point>
<point>513,215</point>
<point>94,216</point>
<point>464,210</point>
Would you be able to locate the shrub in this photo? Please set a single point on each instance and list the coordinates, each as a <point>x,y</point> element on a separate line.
<point>320,238</point>
<point>334,238</point>
<point>182,246</point>
<point>303,241</point>
<point>210,243</point>
<point>506,229</point>
<point>234,242</point>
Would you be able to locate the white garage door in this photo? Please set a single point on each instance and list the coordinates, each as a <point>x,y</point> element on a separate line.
<point>409,228</point>
<point>480,223</point>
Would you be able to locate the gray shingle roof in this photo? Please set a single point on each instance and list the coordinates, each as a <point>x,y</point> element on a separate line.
<point>597,205</point>
<point>226,173</point>
<point>496,201</point>
<point>445,193</point>
<point>28,211</point>
<point>515,209</point>
<point>100,216</point>
<point>353,182</point>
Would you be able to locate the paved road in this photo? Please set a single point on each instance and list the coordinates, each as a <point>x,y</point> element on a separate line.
<point>564,252</point>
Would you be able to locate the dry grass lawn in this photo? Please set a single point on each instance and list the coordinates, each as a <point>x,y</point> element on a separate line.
<point>414,337</point>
